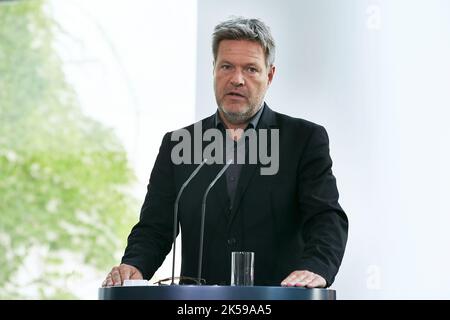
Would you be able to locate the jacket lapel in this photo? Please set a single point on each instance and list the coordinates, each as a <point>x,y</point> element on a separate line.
<point>267,121</point>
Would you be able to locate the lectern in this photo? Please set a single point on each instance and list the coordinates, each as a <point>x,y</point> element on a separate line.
<point>191,292</point>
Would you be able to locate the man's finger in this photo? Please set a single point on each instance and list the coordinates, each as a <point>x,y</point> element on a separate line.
<point>289,278</point>
<point>109,282</point>
<point>304,276</point>
<point>115,275</point>
<point>305,280</point>
<point>295,277</point>
<point>125,273</point>
<point>317,282</point>
<point>136,275</point>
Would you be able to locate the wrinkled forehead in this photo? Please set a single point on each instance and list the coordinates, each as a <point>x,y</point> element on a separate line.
<point>240,51</point>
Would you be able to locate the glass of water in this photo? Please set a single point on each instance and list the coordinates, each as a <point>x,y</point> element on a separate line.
<point>242,268</point>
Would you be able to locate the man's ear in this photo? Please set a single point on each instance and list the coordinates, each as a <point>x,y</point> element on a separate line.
<point>270,74</point>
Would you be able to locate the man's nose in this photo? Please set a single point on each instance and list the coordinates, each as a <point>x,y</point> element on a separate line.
<point>237,79</point>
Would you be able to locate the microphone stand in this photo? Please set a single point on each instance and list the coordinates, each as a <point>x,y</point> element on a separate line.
<point>202,225</point>
<point>175,215</point>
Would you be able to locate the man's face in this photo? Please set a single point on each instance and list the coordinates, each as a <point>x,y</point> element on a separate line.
<point>241,79</point>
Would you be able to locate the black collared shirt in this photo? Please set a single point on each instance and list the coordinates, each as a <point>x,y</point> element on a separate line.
<point>233,150</point>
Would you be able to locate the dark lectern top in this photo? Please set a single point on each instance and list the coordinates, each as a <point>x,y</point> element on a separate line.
<point>187,292</point>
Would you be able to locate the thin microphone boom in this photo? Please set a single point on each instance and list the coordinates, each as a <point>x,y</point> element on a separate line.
<point>202,226</point>
<point>175,215</point>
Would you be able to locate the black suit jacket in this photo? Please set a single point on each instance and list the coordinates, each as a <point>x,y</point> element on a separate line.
<point>291,220</point>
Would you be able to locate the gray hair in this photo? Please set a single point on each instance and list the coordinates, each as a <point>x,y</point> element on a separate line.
<point>245,29</point>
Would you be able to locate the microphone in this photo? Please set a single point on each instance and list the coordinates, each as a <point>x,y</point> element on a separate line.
<point>175,214</point>
<point>202,226</point>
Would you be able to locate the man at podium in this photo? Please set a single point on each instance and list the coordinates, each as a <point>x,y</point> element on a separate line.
<point>276,196</point>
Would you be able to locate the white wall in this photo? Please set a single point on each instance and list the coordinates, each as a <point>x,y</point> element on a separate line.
<point>376,74</point>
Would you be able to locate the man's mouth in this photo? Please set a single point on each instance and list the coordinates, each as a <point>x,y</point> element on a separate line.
<point>235,94</point>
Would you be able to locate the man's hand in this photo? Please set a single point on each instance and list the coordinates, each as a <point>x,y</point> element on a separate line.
<point>120,273</point>
<point>304,278</point>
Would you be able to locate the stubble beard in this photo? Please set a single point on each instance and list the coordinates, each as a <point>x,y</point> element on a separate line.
<point>238,118</point>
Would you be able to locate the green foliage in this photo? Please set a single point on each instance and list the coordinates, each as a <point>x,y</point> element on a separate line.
<point>63,176</point>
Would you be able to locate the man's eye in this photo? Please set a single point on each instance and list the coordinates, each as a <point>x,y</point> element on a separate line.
<point>225,67</point>
<point>252,70</point>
